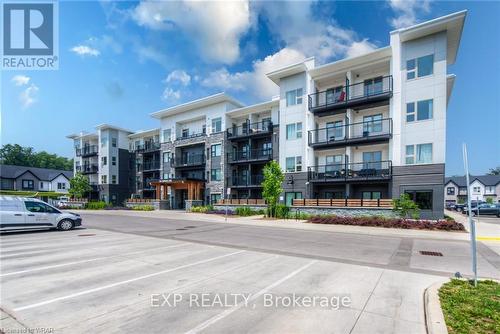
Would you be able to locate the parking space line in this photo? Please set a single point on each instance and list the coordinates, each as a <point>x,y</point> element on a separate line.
<point>112,285</point>
<point>88,260</point>
<point>226,313</point>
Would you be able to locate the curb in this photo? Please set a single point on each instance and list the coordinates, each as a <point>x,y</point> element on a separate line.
<point>434,318</point>
<point>9,324</point>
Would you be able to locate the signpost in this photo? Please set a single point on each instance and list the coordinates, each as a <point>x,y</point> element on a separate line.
<point>472,223</point>
<point>228,195</point>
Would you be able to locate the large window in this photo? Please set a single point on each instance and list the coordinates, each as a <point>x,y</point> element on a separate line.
<point>113,161</point>
<point>216,174</point>
<point>294,97</point>
<point>294,131</point>
<point>113,142</point>
<point>166,157</point>
<point>216,150</point>
<point>290,196</point>
<point>104,179</point>
<point>373,86</point>
<point>423,110</point>
<point>216,124</point>
<point>333,163</point>
<point>113,179</point>
<point>185,133</point>
<point>61,185</point>
<point>419,67</point>
<point>167,134</point>
<point>418,154</point>
<point>371,195</point>
<point>214,198</point>
<point>423,198</point>
<point>372,160</point>
<point>334,130</point>
<point>294,164</point>
<point>28,184</point>
<point>372,124</point>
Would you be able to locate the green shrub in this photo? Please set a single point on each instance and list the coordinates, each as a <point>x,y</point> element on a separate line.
<point>96,205</point>
<point>301,215</point>
<point>143,208</point>
<point>282,211</point>
<point>246,211</point>
<point>202,209</point>
<point>405,207</point>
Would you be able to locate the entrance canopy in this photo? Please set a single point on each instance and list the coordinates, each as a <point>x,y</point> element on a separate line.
<point>193,187</point>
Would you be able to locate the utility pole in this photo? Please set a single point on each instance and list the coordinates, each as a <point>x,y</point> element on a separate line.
<point>472,223</point>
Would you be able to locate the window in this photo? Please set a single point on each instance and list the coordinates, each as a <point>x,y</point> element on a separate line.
<point>294,131</point>
<point>333,163</point>
<point>373,86</point>
<point>419,67</point>
<point>204,129</point>
<point>41,185</point>
<point>372,124</point>
<point>290,196</point>
<point>371,195</point>
<point>104,161</point>
<point>113,179</point>
<point>113,161</point>
<point>61,185</point>
<point>185,133</point>
<point>113,142</point>
<point>104,179</point>
<point>372,160</point>
<point>167,135</point>
<point>476,189</point>
<point>216,174</point>
<point>28,184</point>
<point>421,155</point>
<point>38,207</point>
<point>423,198</point>
<point>214,198</point>
<point>266,122</point>
<point>294,97</point>
<point>216,124</point>
<point>294,164</point>
<point>216,150</point>
<point>333,94</point>
<point>490,190</point>
<point>166,157</point>
<point>423,112</point>
<point>104,141</point>
<point>450,191</point>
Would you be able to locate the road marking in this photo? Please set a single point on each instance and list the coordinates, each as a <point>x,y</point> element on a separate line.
<point>112,285</point>
<point>488,238</point>
<point>88,260</point>
<point>226,313</point>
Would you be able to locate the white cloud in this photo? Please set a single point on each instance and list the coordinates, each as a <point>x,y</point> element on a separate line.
<point>215,26</point>
<point>407,11</point>
<point>169,95</point>
<point>359,48</point>
<point>84,50</point>
<point>255,82</point>
<point>28,96</point>
<point>20,80</point>
<point>179,76</point>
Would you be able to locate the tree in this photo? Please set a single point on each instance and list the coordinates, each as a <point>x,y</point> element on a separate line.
<point>271,186</point>
<point>489,200</point>
<point>494,171</point>
<point>25,156</point>
<point>79,186</point>
<point>405,207</point>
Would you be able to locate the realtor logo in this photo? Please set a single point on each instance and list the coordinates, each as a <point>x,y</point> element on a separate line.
<point>29,36</point>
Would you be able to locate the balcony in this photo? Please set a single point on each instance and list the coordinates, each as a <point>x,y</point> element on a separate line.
<point>149,166</point>
<point>146,185</point>
<point>88,169</point>
<point>356,96</point>
<point>372,132</point>
<point>351,172</point>
<point>189,161</point>
<point>200,136</point>
<point>148,147</point>
<point>250,130</point>
<point>254,155</point>
<point>86,151</point>
<point>252,181</point>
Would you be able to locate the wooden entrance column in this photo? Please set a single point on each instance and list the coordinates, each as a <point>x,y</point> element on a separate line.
<point>193,188</point>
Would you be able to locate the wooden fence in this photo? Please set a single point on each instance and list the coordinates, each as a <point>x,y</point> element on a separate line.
<point>365,203</point>
<point>241,201</point>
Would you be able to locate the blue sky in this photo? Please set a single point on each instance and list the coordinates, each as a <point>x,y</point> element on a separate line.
<point>120,61</point>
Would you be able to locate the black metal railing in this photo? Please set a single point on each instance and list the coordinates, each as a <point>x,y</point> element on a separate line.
<point>345,94</point>
<point>149,165</point>
<point>146,185</point>
<point>86,151</point>
<point>355,132</point>
<point>189,160</point>
<point>247,181</point>
<point>253,154</point>
<point>87,169</point>
<point>148,147</point>
<point>351,171</point>
<point>192,135</point>
<point>248,129</point>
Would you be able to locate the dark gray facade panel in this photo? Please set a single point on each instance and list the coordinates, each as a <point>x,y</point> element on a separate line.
<point>297,182</point>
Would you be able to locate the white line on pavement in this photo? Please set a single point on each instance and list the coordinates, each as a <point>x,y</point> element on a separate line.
<point>88,260</point>
<point>226,313</point>
<point>85,292</point>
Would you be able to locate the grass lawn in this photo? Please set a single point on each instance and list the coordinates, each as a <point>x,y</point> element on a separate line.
<point>471,310</point>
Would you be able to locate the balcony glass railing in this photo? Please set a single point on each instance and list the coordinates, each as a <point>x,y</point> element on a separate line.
<point>358,170</point>
<point>189,160</point>
<point>192,135</point>
<point>247,181</point>
<point>248,129</point>
<point>149,165</point>
<point>247,155</point>
<point>148,147</point>
<point>87,169</point>
<point>86,151</point>
<point>351,93</point>
<point>356,131</point>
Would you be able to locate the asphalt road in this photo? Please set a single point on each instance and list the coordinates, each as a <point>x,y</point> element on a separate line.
<point>115,275</point>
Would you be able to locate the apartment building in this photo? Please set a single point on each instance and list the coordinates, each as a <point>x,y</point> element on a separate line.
<point>103,156</point>
<point>369,127</point>
<point>482,187</point>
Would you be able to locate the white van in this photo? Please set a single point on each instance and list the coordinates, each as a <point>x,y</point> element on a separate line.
<point>21,213</point>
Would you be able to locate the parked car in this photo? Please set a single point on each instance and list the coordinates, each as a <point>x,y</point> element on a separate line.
<point>473,204</point>
<point>20,213</point>
<point>450,206</point>
<point>484,209</point>
<point>460,207</point>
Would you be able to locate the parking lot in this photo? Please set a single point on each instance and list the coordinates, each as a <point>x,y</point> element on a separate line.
<point>100,281</point>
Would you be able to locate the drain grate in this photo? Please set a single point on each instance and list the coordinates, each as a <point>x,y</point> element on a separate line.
<point>86,235</point>
<point>181,229</point>
<point>430,253</point>
<point>190,226</point>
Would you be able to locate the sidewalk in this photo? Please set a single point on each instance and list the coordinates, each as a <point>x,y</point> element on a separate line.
<point>282,223</point>
<point>484,230</point>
